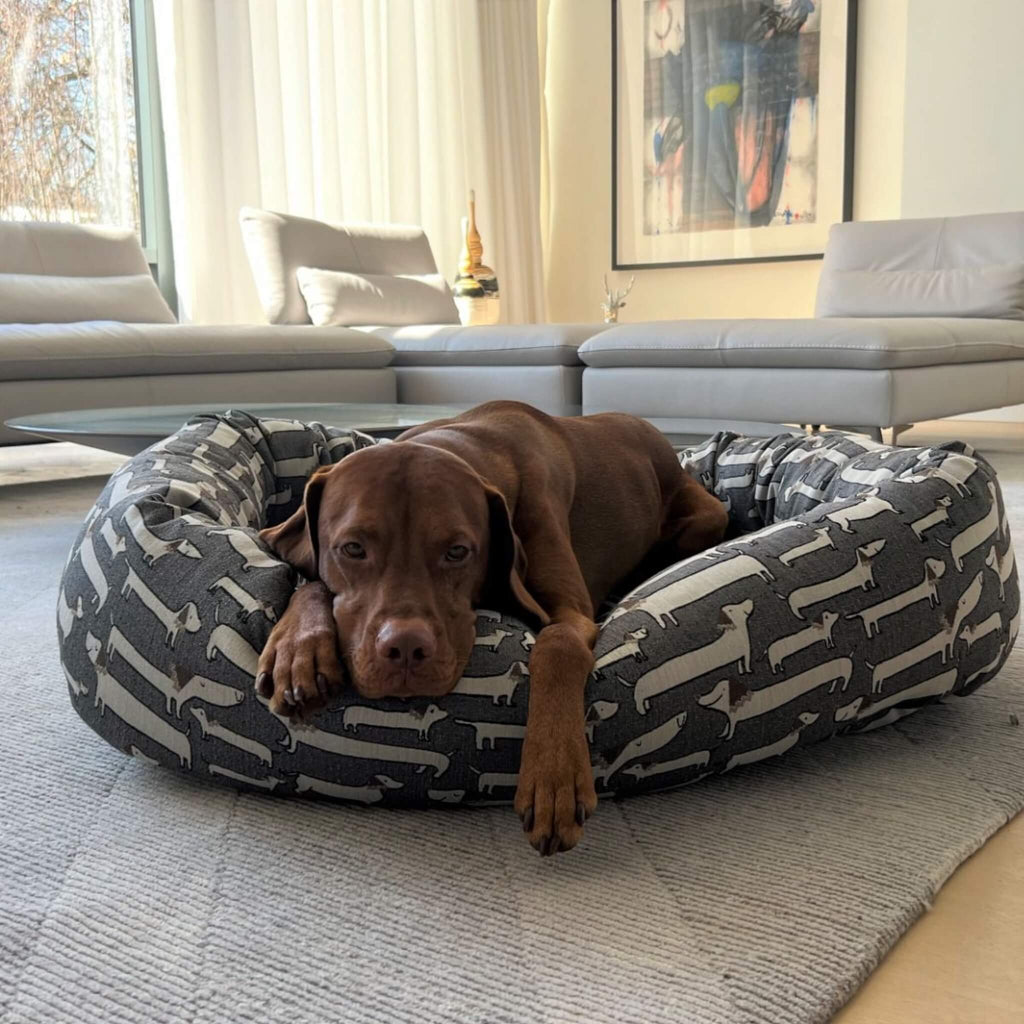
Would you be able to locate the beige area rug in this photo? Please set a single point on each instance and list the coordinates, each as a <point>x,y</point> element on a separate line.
<point>128,894</point>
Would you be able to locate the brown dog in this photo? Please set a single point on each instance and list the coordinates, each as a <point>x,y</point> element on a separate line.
<point>503,507</point>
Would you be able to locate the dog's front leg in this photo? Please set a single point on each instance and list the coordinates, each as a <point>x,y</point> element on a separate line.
<point>300,666</point>
<point>556,793</point>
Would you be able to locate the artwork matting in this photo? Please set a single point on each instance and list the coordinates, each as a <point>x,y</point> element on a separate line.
<point>692,181</point>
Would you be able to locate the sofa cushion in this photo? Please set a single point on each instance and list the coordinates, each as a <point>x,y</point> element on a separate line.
<point>336,297</point>
<point>108,349</point>
<point>87,250</point>
<point>277,244</point>
<point>51,298</point>
<point>925,243</point>
<point>494,345</point>
<point>918,253</point>
<point>993,292</point>
<point>835,342</point>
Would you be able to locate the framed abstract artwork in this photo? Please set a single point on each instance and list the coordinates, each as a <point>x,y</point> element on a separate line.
<point>732,129</point>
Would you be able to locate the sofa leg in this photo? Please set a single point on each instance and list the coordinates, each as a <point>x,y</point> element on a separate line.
<point>897,429</point>
<point>875,433</point>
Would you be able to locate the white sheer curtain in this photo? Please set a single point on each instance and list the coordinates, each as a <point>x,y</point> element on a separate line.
<point>378,110</point>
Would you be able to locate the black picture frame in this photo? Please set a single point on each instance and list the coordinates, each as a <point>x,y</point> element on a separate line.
<point>849,127</point>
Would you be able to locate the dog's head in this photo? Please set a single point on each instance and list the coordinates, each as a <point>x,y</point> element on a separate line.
<point>409,539</point>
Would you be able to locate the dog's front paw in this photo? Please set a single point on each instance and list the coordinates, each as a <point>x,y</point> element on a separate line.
<point>300,668</point>
<point>555,795</point>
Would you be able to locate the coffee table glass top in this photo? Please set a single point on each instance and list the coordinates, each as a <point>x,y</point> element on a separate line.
<point>130,429</point>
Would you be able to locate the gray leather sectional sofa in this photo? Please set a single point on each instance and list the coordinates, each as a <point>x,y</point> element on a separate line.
<point>915,319</point>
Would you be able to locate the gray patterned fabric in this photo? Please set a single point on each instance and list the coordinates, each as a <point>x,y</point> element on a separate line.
<point>862,582</point>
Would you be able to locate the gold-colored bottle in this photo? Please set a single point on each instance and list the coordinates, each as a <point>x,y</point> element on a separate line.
<point>476,285</point>
<point>474,247</point>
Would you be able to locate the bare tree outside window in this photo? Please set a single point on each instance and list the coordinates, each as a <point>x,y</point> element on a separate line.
<point>67,112</point>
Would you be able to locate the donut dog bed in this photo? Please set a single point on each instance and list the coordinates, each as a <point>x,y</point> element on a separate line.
<point>860,583</point>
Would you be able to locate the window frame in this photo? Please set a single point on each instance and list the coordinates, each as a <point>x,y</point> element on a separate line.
<point>154,209</point>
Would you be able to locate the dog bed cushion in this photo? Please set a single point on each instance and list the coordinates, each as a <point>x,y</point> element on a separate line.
<point>860,583</point>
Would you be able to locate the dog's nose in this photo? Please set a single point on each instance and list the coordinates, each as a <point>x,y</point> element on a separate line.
<point>405,643</point>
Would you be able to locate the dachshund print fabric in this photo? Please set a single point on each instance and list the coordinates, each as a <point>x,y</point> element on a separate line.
<point>860,583</point>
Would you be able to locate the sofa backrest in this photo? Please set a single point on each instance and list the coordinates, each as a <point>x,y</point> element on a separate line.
<point>969,266</point>
<point>65,273</point>
<point>277,244</point>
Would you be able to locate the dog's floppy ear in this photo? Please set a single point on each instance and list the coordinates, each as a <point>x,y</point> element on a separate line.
<point>296,540</point>
<point>506,564</point>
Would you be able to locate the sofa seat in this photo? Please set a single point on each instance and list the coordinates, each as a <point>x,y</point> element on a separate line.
<point>852,343</point>
<point>112,349</point>
<point>449,364</point>
<point>504,345</point>
<point>100,364</point>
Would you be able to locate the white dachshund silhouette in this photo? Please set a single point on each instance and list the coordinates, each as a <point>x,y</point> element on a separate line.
<point>211,727</point>
<point>629,648</point>
<point>640,747</point>
<point>496,687</point>
<point>941,643</point>
<point>492,640</point>
<point>419,722</point>
<point>247,603</point>
<point>972,634</point>
<point>699,759</point>
<point>732,645</point>
<point>816,633</point>
<point>67,613</point>
<point>822,539</point>
<point>599,711</point>
<point>774,749</point>
<point>860,575</point>
<point>977,533</point>
<point>865,508</point>
<point>1001,565</point>
<point>173,620</point>
<point>932,519</point>
<point>739,704</point>
<point>368,794</point>
<point>663,605</point>
<point>926,590</point>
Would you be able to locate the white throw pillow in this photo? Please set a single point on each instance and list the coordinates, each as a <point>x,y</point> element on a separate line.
<point>336,298</point>
<point>54,299</point>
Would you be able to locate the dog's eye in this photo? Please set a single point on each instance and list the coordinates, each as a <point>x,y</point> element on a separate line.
<point>353,549</point>
<point>457,553</point>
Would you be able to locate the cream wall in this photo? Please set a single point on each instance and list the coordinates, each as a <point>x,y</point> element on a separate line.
<point>576,43</point>
<point>963,144</point>
<point>963,140</point>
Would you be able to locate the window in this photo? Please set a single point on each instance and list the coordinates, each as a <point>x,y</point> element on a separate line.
<point>80,136</point>
<point>67,129</point>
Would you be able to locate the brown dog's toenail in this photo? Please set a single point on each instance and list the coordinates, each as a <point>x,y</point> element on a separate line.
<point>581,814</point>
<point>321,684</point>
<point>264,687</point>
<point>528,820</point>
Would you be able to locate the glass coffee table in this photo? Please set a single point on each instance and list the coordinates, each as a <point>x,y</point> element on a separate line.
<point>130,429</point>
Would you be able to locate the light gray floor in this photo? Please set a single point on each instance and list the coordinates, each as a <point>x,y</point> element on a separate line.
<point>128,894</point>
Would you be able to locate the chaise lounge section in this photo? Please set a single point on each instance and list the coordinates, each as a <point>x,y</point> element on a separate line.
<point>915,319</point>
